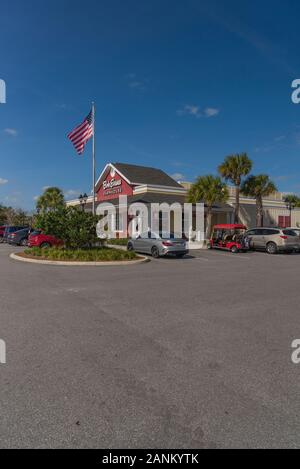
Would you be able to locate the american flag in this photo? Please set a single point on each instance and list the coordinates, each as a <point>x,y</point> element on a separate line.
<point>81,134</point>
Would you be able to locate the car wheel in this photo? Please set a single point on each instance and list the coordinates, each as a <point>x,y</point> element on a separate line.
<point>234,250</point>
<point>271,248</point>
<point>130,247</point>
<point>179,256</point>
<point>45,245</point>
<point>155,252</point>
<point>23,242</point>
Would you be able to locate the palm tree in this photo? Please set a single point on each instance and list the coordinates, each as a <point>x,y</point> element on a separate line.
<point>292,201</point>
<point>258,187</point>
<point>211,190</point>
<point>233,168</point>
<point>52,199</point>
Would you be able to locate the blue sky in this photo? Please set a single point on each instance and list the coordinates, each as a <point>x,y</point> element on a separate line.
<point>178,85</point>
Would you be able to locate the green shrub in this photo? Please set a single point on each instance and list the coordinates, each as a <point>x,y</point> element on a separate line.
<point>83,255</point>
<point>118,242</point>
<point>76,228</point>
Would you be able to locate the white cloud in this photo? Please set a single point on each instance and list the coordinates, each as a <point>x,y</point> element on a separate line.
<point>195,111</point>
<point>12,132</point>
<point>280,138</point>
<point>71,193</point>
<point>3,181</point>
<point>178,176</point>
<point>135,83</point>
<point>281,141</point>
<point>190,109</point>
<point>211,112</point>
<point>14,198</point>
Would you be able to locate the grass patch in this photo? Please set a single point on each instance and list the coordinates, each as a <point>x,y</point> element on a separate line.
<point>82,255</point>
<point>118,242</point>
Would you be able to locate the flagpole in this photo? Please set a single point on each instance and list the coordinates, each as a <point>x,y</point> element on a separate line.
<point>94,155</point>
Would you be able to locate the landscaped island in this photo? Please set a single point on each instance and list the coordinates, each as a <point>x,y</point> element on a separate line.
<point>102,254</point>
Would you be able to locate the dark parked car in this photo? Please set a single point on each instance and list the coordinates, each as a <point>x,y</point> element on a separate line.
<point>19,238</point>
<point>11,229</point>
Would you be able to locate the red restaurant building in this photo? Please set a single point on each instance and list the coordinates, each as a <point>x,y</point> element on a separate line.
<point>146,185</point>
<point>149,186</point>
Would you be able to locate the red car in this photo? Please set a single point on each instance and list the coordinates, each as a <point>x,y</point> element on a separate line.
<point>229,237</point>
<point>2,229</point>
<point>40,240</point>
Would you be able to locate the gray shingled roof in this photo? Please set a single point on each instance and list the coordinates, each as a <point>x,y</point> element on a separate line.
<point>146,175</point>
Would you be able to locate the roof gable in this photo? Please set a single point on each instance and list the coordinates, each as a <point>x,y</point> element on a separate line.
<point>141,175</point>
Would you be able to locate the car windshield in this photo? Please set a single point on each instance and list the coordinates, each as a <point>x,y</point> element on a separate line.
<point>35,233</point>
<point>289,233</point>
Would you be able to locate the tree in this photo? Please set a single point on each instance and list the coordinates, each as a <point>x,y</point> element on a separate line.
<point>20,217</point>
<point>15,216</point>
<point>2,215</point>
<point>76,228</point>
<point>258,187</point>
<point>211,190</point>
<point>233,168</point>
<point>52,199</point>
<point>292,201</point>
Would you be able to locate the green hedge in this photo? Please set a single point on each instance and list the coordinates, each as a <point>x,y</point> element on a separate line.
<point>118,242</point>
<point>84,255</point>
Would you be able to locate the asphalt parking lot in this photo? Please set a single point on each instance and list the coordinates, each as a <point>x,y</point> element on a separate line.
<point>191,353</point>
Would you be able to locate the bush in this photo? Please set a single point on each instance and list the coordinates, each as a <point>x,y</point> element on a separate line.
<point>75,227</point>
<point>84,255</point>
<point>118,242</point>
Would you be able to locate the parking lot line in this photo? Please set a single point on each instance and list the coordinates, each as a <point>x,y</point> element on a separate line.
<point>201,259</point>
<point>233,256</point>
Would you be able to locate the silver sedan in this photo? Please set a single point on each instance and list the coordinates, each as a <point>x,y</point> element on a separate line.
<point>157,244</point>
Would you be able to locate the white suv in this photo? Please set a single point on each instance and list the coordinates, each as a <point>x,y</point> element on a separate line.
<point>274,240</point>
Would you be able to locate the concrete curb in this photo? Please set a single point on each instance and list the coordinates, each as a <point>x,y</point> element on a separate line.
<point>117,246</point>
<point>17,257</point>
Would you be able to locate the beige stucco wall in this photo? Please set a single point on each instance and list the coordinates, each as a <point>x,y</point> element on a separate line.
<point>271,215</point>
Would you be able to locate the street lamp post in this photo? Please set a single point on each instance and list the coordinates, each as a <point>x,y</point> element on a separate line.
<point>290,205</point>
<point>83,200</point>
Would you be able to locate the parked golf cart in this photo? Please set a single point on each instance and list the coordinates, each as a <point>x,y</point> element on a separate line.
<point>230,238</point>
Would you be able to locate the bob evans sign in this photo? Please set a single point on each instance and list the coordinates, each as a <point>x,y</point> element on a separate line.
<point>2,92</point>
<point>113,186</point>
<point>112,183</point>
